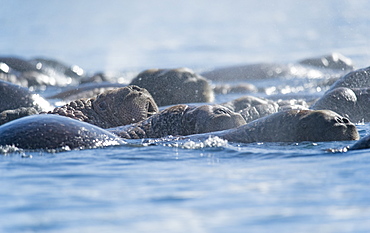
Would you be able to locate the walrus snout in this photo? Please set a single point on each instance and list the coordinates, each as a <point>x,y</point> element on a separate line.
<point>352,133</point>
<point>345,129</point>
<point>325,125</point>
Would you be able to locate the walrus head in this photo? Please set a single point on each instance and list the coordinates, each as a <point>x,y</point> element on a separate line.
<point>210,118</point>
<point>175,86</point>
<point>126,105</point>
<point>324,125</point>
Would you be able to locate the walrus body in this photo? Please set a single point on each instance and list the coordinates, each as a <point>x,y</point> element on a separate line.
<point>46,131</point>
<point>182,120</point>
<point>291,126</point>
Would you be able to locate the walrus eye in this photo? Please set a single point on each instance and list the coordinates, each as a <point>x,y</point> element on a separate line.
<point>103,105</point>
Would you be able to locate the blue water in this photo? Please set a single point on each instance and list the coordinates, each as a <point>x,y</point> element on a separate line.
<point>214,187</point>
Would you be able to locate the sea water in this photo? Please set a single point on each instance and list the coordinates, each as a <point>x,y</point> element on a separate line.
<point>213,186</point>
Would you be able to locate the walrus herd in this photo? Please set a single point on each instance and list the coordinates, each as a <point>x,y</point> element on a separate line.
<point>115,113</point>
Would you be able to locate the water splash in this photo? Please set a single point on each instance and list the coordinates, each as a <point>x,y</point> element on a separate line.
<point>188,144</point>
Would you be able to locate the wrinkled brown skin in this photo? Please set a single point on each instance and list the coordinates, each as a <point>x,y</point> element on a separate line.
<point>291,126</point>
<point>175,86</point>
<point>112,108</point>
<point>351,103</point>
<point>182,120</point>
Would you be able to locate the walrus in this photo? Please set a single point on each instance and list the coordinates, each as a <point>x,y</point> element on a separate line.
<point>7,75</point>
<point>248,101</point>
<point>23,73</point>
<point>285,126</point>
<point>245,102</point>
<point>13,96</point>
<point>46,131</point>
<point>351,103</point>
<point>257,111</point>
<point>316,67</point>
<point>363,143</point>
<point>290,126</point>
<point>17,102</point>
<point>112,108</point>
<point>334,61</point>
<point>182,120</point>
<point>66,74</point>
<point>359,78</point>
<point>18,64</point>
<point>175,86</point>
<point>39,72</point>
<point>252,108</point>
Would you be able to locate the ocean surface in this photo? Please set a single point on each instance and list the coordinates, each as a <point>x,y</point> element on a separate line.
<point>213,186</point>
